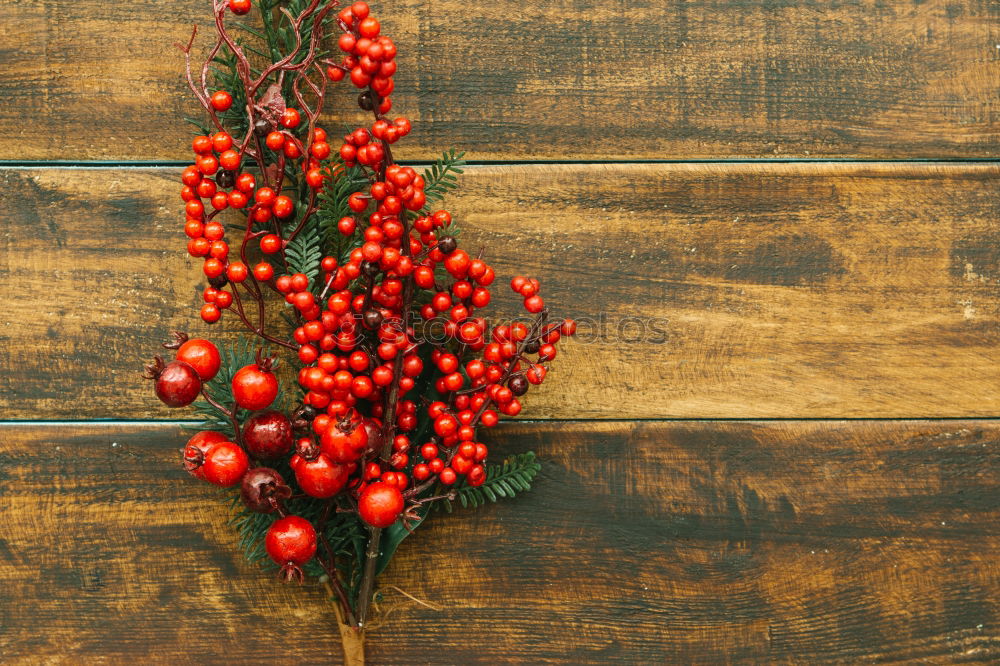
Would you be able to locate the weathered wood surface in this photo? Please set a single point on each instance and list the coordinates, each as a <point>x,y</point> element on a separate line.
<point>577,79</point>
<point>804,290</point>
<point>647,543</point>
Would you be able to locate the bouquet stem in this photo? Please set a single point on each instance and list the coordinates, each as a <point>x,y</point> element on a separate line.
<point>351,638</point>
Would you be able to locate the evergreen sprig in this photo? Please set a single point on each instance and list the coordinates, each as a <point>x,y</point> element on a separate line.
<point>505,480</point>
<point>332,206</point>
<point>441,178</point>
<point>305,252</point>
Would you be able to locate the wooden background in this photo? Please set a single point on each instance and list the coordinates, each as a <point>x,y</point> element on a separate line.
<point>775,441</point>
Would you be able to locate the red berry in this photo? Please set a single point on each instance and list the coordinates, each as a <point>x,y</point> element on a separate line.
<point>275,141</point>
<point>263,271</point>
<point>268,435</point>
<point>201,355</point>
<point>290,119</point>
<point>225,464</point>
<point>254,387</point>
<point>197,447</point>
<point>380,504</point>
<point>283,206</point>
<point>210,313</point>
<point>344,442</point>
<point>237,271</point>
<point>320,477</point>
<point>222,101</point>
<point>239,7</point>
<point>177,383</point>
<point>291,540</point>
<point>360,10</point>
<point>262,488</point>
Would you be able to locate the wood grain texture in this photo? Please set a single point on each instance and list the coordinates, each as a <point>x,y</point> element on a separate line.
<point>702,290</point>
<point>574,79</point>
<point>791,542</point>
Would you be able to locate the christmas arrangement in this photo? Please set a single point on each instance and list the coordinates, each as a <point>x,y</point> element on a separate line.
<point>348,411</point>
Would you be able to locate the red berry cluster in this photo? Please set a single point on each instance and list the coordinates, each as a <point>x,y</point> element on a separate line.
<point>400,307</point>
<point>215,177</point>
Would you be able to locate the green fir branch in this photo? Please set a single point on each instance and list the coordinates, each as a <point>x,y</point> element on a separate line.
<point>440,178</point>
<point>503,481</point>
<point>304,253</point>
<point>342,182</point>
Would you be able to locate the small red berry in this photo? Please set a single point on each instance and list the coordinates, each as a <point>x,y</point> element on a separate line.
<point>222,100</point>
<point>210,313</point>
<point>290,118</point>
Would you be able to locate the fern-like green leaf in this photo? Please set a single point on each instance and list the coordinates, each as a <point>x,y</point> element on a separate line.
<point>441,177</point>
<point>332,206</point>
<point>503,481</point>
<point>305,252</point>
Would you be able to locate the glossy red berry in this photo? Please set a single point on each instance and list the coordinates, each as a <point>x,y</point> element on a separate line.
<point>290,119</point>
<point>291,540</point>
<point>201,355</point>
<point>225,464</point>
<point>344,442</point>
<point>380,504</point>
<point>239,7</point>
<point>177,383</point>
<point>197,447</point>
<point>222,100</point>
<point>254,387</point>
<point>268,435</point>
<point>320,477</point>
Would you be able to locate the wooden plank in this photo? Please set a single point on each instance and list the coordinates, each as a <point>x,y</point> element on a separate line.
<point>704,290</point>
<point>576,79</point>
<point>651,542</point>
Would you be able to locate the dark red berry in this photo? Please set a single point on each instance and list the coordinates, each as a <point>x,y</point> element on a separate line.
<point>263,490</point>
<point>518,385</point>
<point>268,435</point>
<point>177,383</point>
